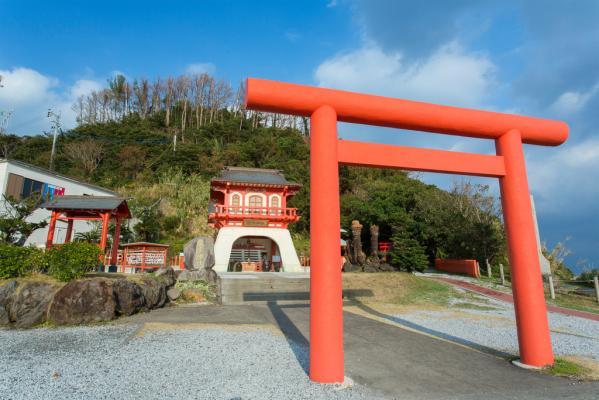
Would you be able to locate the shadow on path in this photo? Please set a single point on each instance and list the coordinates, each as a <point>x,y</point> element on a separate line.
<point>296,340</point>
<point>428,331</point>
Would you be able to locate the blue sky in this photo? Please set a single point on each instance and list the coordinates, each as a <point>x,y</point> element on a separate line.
<point>529,57</point>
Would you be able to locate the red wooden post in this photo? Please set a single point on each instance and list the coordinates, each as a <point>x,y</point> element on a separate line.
<point>326,308</point>
<point>115,241</point>
<point>104,237</point>
<point>51,228</point>
<point>527,284</point>
<point>69,234</point>
<point>143,259</point>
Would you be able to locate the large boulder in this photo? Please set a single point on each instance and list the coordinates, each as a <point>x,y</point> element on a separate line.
<point>7,292</point>
<point>154,292</point>
<point>206,275</point>
<point>30,303</point>
<point>129,297</point>
<point>167,276</point>
<point>83,301</point>
<point>199,253</point>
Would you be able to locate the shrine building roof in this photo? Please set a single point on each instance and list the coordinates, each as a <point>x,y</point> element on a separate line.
<point>270,177</point>
<point>117,205</point>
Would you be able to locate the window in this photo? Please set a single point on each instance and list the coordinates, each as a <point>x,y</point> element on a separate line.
<point>236,200</point>
<point>274,201</point>
<point>255,201</point>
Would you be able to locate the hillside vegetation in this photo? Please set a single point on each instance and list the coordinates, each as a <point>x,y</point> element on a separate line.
<point>160,142</point>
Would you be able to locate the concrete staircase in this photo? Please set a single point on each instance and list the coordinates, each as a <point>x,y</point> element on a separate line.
<point>263,287</point>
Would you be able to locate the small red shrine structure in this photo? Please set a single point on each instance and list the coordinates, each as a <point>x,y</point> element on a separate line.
<point>142,255</point>
<point>248,206</point>
<point>88,208</point>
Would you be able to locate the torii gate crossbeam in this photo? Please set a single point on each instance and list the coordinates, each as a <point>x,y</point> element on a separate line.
<point>325,107</point>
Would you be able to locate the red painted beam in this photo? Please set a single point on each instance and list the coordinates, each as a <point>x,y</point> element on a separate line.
<point>415,159</point>
<point>286,98</point>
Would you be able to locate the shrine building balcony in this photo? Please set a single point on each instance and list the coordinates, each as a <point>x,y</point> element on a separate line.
<point>222,212</point>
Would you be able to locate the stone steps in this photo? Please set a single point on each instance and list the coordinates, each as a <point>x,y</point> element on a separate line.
<point>263,287</point>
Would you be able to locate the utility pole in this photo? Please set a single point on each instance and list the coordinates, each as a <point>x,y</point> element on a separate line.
<point>4,118</point>
<point>55,119</point>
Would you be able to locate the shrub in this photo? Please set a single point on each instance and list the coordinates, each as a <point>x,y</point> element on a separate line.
<point>72,260</point>
<point>17,261</point>
<point>407,253</point>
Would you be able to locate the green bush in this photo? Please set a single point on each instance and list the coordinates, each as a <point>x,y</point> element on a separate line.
<point>17,261</point>
<point>72,260</point>
<point>407,253</point>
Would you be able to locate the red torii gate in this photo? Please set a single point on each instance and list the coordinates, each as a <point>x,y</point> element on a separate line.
<point>325,107</point>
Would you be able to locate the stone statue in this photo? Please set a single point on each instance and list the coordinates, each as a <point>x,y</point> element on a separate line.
<point>358,256</point>
<point>374,241</point>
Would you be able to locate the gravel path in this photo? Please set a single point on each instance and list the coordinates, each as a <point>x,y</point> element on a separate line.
<point>496,328</point>
<point>115,362</point>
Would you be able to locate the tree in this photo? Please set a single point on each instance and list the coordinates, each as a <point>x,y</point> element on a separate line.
<point>14,229</point>
<point>131,159</point>
<point>557,257</point>
<point>87,154</point>
<point>406,253</point>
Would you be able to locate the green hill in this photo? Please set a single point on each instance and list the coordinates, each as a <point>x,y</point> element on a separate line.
<point>160,142</point>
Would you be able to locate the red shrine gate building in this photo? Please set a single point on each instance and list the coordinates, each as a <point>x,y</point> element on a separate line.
<point>248,206</point>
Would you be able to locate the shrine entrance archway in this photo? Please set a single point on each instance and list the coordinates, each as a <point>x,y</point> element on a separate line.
<point>325,107</point>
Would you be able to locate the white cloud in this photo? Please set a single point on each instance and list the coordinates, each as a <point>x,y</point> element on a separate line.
<point>23,85</point>
<point>29,94</point>
<point>569,103</point>
<point>450,75</point>
<point>564,178</point>
<point>200,68</point>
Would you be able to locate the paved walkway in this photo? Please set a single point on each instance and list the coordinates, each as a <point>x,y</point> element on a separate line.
<point>395,362</point>
<point>496,294</point>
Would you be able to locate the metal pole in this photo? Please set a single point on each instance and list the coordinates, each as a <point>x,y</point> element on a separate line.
<point>501,274</point>
<point>551,288</point>
<point>596,282</point>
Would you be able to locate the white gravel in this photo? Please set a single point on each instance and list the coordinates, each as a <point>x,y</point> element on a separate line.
<point>113,362</point>
<point>496,328</point>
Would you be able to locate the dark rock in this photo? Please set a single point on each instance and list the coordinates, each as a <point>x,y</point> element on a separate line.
<point>167,275</point>
<point>349,267</point>
<point>371,268</point>
<point>7,292</point>
<point>30,304</point>
<point>129,297</point>
<point>83,301</point>
<point>173,294</point>
<point>386,268</point>
<point>154,292</point>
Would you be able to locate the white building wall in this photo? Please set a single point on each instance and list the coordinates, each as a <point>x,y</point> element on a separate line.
<point>71,186</point>
<point>228,235</point>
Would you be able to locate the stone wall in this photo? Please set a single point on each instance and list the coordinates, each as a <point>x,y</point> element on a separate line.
<point>24,303</point>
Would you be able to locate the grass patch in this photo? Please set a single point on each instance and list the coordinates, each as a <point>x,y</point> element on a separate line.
<point>567,368</point>
<point>34,277</point>
<point>575,302</point>
<point>399,288</point>
<point>193,292</point>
